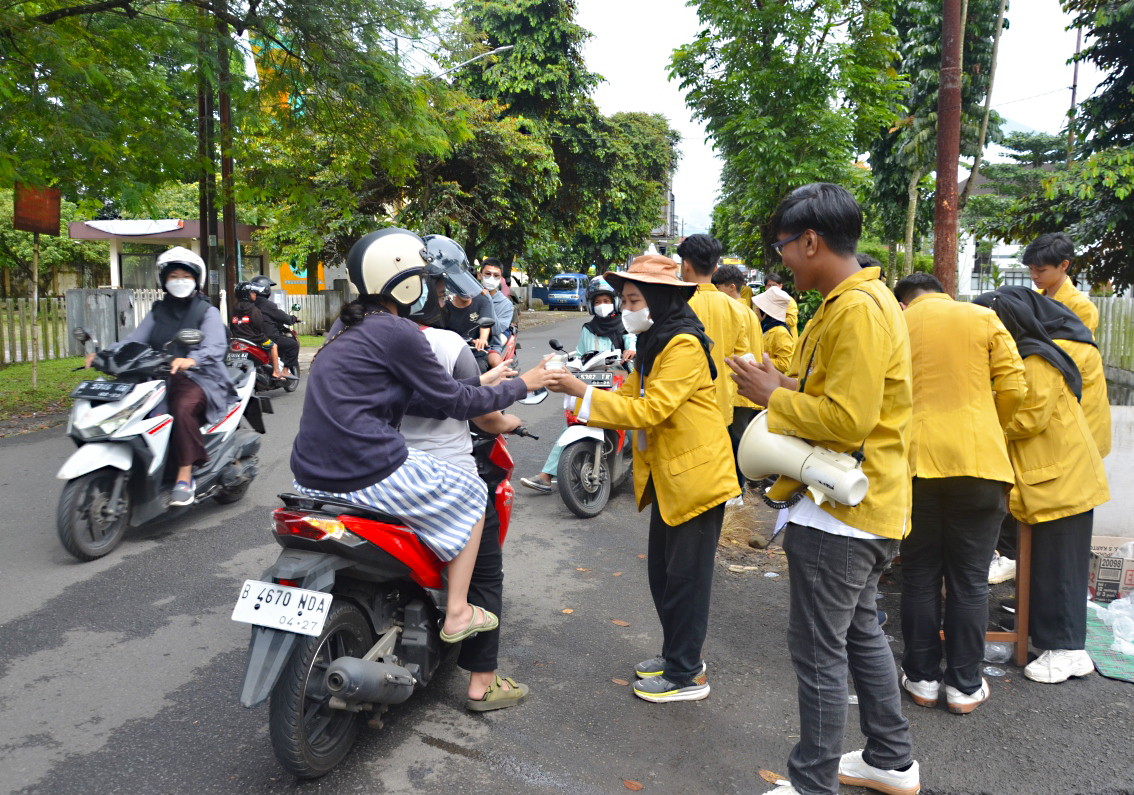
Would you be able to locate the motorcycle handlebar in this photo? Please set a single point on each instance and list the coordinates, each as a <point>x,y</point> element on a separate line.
<point>522,431</point>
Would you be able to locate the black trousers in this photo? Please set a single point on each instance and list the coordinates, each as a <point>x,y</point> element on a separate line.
<point>680,566</point>
<point>741,416</point>
<point>1061,556</point>
<point>486,589</point>
<point>956,522</point>
<point>289,350</point>
<point>1006,544</point>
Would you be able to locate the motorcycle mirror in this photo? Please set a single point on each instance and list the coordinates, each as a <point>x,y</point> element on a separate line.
<point>189,337</point>
<point>555,344</point>
<point>534,398</point>
<point>81,335</point>
<point>296,308</point>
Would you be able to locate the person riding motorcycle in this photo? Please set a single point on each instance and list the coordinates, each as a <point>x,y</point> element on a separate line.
<point>603,332</point>
<point>467,304</point>
<point>374,364</point>
<point>248,323</point>
<point>274,321</point>
<point>196,397</point>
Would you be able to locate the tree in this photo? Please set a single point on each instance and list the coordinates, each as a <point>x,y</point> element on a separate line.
<point>1107,117</point>
<point>790,95</point>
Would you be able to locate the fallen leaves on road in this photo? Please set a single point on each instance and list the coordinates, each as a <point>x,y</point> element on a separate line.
<point>633,786</point>
<point>622,682</point>
<point>581,569</point>
<point>619,622</point>
<point>568,610</point>
<point>770,777</point>
<point>616,574</point>
<point>641,557</point>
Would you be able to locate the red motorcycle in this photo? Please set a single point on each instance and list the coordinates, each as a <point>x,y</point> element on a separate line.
<point>241,350</point>
<point>348,618</point>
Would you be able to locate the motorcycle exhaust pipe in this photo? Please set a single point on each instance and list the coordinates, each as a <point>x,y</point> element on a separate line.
<point>354,680</point>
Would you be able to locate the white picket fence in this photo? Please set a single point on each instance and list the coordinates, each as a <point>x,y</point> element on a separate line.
<point>315,312</point>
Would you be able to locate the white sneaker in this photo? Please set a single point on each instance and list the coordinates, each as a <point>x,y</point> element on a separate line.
<point>924,693</point>
<point>783,788</point>
<point>961,704</point>
<point>1059,665</point>
<point>1001,569</point>
<point>735,502</point>
<point>854,772</point>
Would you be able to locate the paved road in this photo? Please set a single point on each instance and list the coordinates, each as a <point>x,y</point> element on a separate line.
<point>120,676</point>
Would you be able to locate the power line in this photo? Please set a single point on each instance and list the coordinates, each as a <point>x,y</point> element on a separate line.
<point>1035,96</point>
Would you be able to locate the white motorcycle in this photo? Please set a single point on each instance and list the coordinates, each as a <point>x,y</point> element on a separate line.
<point>119,478</point>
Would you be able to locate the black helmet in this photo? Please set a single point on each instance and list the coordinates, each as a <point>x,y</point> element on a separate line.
<point>247,291</point>
<point>389,263</point>
<point>265,283</point>
<point>447,259</point>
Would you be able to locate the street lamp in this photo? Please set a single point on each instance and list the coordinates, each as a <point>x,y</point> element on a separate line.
<point>497,51</point>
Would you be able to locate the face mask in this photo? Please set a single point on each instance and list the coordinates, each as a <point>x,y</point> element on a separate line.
<point>604,310</point>
<point>490,282</point>
<point>180,288</point>
<point>638,321</point>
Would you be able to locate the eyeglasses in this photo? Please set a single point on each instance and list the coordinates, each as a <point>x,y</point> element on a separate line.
<point>779,244</point>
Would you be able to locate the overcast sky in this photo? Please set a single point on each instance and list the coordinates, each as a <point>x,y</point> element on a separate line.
<point>633,40</point>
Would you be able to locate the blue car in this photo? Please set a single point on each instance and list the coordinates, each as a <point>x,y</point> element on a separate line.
<point>568,291</point>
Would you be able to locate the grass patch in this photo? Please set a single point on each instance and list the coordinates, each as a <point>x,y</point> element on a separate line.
<point>55,382</point>
<point>311,340</point>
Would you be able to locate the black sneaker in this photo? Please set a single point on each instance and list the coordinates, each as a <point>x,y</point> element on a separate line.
<point>658,689</point>
<point>655,666</point>
<point>1008,605</point>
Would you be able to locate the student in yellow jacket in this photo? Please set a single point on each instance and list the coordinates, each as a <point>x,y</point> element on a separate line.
<point>791,317</point>
<point>848,389</point>
<point>729,280</point>
<point>1048,257</point>
<point>772,306</point>
<point>968,383</point>
<point>682,464</point>
<point>1059,482</point>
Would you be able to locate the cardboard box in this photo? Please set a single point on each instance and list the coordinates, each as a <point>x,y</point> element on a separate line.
<point>1110,577</point>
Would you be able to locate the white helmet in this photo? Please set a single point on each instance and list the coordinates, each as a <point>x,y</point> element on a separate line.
<point>388,262</point>
<point>179,257</point>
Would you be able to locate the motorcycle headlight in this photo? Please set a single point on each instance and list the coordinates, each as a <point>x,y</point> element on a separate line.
<point>107,426</point>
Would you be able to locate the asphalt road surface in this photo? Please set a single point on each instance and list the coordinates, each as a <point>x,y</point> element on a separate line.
<point>121,676</point>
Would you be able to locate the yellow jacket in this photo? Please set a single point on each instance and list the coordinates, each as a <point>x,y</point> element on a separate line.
<point>1072,298</point>
<point>1096,401</point>
<point>780,345</point>
<point>746,295</point>
<point>755,347</point>
<point>855,357</point>
<point>958,350</point>
<point>792,318</point>
<point>1058,469</point>
<point>726,326</point>
<point>687,451</point>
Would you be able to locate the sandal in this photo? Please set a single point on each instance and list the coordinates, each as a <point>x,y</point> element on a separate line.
<point>496,697</point>
<point>482,621</point>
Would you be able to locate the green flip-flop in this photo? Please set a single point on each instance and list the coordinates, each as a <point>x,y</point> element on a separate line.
<point>496,697</point>
<point>482,621</point>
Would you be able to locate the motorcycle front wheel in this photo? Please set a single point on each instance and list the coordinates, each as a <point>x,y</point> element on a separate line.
<point>88,525</point>
<point>584,483</point>
<point>308,736</point>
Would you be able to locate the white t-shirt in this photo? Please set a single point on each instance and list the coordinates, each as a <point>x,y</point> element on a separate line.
<point>808,514</point>
<point>449,440</point>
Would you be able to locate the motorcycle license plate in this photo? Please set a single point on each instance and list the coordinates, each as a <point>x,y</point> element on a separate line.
<point>267,604</point>
<point>598,380</point>
<point>102,390</point>
<point>234,358</point>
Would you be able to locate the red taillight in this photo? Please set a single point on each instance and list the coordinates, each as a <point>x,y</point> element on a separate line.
<point>289,583</point>
<point>305,525</point>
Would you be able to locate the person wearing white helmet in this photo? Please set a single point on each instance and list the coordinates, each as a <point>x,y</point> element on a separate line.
<point>375,364</point>
<point>197,396</point>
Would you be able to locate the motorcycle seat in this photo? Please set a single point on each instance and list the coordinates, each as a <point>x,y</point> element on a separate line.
<point>340,507</point>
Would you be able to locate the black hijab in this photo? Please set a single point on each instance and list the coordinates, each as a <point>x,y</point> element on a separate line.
<point>610,327</point>
<point>1031,337</point>
<point>767,322</point>
<point>1058,321</point>
<point>672,315</point>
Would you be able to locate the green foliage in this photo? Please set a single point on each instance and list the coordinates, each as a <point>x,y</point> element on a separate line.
<point>16,248</point>
<point>790,93</point>
<point>1033,155</point>
<point>1106,118</point>
<point>809,304</point>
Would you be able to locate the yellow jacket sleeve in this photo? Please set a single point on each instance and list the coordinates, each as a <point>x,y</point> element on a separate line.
<point>1009,383</point>
<point>675,377</point>
<point>780,346</point>
<point>1044,386</point>
<point>851,402</point>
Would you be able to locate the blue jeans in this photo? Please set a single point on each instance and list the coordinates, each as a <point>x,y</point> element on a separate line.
<point>833,628</point>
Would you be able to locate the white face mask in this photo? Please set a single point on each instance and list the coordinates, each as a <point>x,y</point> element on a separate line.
<point>490,282</point>
<point>604,310</point>
<point>180,288</point>
<point>637,321</point>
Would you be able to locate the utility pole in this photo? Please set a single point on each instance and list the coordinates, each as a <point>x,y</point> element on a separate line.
<point>204,141</point>
<point>948,149</point>
<point>227,183</point>
<point>1074,87</point>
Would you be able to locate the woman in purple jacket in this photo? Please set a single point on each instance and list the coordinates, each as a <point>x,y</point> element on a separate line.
<point>373,363</point>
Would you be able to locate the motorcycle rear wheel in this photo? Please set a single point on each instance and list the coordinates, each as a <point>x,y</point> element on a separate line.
<point>309,737</point>
<point>81,519</point>
<point>291,386</point>
<point>575,465</point>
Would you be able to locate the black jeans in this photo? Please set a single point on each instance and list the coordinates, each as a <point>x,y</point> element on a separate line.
<point>833,628</point>
<point>289,350</point>
<point>486,589</point>
<point>956,522</point>
<point>741,416</point>
<point>1006,544</point>
<point>680,567</point>
<point>1061,556</point>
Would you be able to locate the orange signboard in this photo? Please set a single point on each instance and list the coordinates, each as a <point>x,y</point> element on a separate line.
<point>293,277</point>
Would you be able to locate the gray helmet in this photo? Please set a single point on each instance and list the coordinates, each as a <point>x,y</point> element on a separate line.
<point>448,259</point>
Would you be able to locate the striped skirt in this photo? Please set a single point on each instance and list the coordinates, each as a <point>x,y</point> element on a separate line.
<point>439,501</point>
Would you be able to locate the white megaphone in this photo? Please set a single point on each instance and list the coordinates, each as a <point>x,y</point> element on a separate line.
<point>836,476</point>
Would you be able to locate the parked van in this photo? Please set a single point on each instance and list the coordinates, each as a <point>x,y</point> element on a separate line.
<point>568,291</point>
